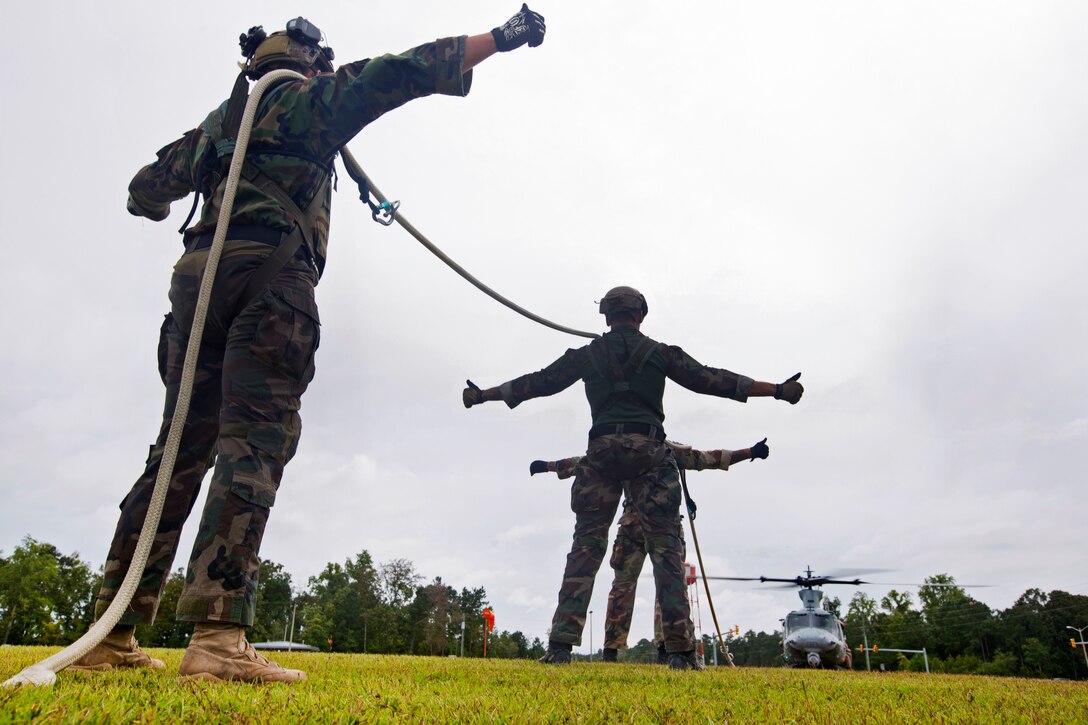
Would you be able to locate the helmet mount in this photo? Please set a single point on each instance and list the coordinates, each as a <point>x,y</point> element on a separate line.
<point>298,45</point>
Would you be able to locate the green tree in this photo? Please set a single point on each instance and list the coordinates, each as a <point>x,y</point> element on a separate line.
<point>858,625</point>
<point>44,595</point>
<point>275,599</point>
<point>757,649</point>
<point>166,630</point>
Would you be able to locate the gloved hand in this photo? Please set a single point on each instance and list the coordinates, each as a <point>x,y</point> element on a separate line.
<point>790,391</point>
<point>538,467</point>
<point>472,395</point>
<point>760,450</point>
<point>525,27</point>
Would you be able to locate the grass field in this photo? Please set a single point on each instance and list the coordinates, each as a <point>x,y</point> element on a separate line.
<point>376,688</point>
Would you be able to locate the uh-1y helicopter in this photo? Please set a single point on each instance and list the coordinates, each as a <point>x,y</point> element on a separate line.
<point>812,636</point>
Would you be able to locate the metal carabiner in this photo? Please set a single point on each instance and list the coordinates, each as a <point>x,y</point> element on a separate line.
<point>384,213</point>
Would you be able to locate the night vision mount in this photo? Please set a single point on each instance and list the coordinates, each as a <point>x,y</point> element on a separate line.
<point>299,29</point>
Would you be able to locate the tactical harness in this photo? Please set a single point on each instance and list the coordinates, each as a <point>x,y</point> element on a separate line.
<point>618,375</point>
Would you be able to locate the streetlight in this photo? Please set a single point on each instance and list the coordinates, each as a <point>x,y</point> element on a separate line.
<point>1080,631</point>
<point>590,635</point>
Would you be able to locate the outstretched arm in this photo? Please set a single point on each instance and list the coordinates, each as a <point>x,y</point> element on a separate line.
<point>790,390</point>
<point>564,467</point>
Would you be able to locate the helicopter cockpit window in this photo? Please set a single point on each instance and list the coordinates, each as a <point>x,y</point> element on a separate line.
<point>827,621</point>
<point>796,619</point>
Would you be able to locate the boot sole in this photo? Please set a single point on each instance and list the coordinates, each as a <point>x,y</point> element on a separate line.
<point>209,677</point>
<point>106,667</point>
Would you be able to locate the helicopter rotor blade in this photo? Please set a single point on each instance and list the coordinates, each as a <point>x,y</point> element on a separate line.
<point>923,584</point>
<point>849,573</point>
<point>735,578</point>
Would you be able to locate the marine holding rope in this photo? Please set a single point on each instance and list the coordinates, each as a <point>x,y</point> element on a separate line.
<point>257,354</point>
<point>624,374</point>
<point>629,547</point>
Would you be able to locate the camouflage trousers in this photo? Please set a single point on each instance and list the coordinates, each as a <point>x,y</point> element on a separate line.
<point>628,557</point>
<point>654,494</point>
<point>252,369</point>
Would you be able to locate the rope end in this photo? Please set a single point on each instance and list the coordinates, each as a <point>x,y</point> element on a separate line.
<point>33,675</point>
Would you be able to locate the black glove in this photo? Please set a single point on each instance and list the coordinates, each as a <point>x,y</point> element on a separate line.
<point>790,391</point>
<point>760,450</point>
<point>525,27</point>
<point>538,467</point>
<point>472,395</point>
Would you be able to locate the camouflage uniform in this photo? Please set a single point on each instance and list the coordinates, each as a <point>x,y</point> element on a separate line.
<point>629,548</point>
<point>254,363</point>
<point>637,465</point>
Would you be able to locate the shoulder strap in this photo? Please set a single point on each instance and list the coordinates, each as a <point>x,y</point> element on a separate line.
<point>609,367</point>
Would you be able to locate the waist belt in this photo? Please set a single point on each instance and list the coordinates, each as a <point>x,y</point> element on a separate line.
<point>246,232</point>
<point>642,429</point>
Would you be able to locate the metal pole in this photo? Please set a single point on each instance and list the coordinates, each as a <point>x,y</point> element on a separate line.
<point>590,635</point>
<point>926,657</point>
<point>714,639</point>
<point>462,636</point>
<point>1084,649</point>
<point>865,636</point>
<point>366,624</point>
<point>291,638</point>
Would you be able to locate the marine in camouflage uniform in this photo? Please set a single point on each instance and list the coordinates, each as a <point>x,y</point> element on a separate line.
<point>624,374</point>
<point>629,546</point>
<point>256,357</point>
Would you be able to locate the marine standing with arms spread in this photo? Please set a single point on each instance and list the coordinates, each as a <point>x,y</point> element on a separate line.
<point>257,354</point>
<point>624,374</point>
<point>629,547</point>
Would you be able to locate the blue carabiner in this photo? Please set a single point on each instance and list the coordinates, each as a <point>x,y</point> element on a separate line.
<point>384,213</point>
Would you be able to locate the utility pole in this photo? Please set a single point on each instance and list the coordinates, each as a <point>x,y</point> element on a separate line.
<point>1080,631</point>
<point>865,637</point>
<point>590,635</point>
<point>291,638</point>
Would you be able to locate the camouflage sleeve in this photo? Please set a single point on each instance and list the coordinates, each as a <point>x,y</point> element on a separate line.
<point>696,460</point>
<point>169,178</point>
<point>342,103</point>
<point>698,378</point>
<point>567,467</point>
<point>555,378</point>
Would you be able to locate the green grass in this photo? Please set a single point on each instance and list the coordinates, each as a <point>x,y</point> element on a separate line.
<point>375,688</point>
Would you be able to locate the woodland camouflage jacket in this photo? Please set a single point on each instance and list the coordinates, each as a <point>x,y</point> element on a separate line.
<point>666,361</point>
<point>299,128</point>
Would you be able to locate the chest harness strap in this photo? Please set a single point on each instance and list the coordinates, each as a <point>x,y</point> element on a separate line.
<point>619,374</point>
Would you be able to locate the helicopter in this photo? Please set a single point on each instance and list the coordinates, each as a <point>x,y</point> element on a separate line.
<point>811,636</point>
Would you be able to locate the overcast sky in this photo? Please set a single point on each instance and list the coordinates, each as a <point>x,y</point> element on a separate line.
<point>888,197</point>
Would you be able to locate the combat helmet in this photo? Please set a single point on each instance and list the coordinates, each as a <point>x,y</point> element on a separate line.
<point>299,45</point>
<point>623,299</point>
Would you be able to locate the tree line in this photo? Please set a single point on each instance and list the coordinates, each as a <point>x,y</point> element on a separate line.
<point>959,633</point>
<point>47,598</point>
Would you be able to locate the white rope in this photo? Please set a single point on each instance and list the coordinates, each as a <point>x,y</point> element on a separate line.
<point>44,673</point>
<point>357,170</point>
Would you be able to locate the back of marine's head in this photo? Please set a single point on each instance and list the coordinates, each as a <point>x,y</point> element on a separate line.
<point>296,48</point>
<point>623,301</point>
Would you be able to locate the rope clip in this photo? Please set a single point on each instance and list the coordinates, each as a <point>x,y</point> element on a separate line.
<point>384,213</point>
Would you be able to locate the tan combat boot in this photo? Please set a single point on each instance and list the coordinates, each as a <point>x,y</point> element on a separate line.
<point>219,652</point>
<point>118,649</point>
